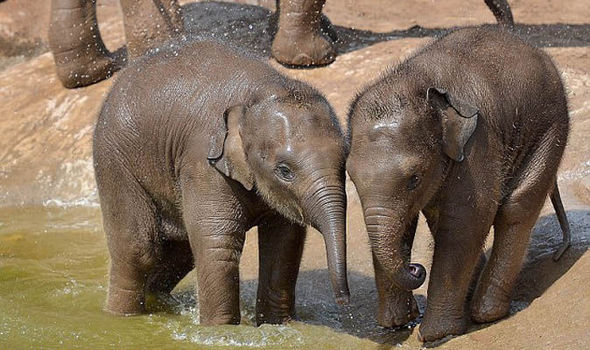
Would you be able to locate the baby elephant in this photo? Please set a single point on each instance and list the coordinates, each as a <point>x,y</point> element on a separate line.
<point>193,147</point>
<point>470,131</point>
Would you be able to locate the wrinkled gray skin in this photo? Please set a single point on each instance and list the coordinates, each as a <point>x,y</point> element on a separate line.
<point>470,131</point>
<point>303,36</point>
<point>195,146</point>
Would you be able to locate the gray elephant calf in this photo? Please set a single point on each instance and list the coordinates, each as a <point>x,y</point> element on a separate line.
<point>470,131</point>
<point>193,147</point>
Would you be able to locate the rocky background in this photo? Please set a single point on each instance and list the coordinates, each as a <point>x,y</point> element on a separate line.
<point>46,130</point>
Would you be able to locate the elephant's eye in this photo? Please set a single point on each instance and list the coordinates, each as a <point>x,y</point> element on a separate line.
<point>413,182</point>
<point>284,172</point>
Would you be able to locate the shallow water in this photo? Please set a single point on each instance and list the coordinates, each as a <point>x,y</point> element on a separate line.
<point>53,278</point>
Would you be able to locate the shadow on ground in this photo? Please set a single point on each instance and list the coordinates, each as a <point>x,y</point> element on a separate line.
<point>540,271</point>
<point>247,26</point>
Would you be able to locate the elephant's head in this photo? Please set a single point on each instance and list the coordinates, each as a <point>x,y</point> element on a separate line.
<point>289,147</point>
<point>402,143</point>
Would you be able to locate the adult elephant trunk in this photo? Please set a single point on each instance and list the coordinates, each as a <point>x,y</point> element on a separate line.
<point>80,55</point>
<point>390,250</point>
<point>326,209</point>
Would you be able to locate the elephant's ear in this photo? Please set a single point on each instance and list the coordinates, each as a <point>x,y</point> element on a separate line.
<point>226,149</point>
<point>458,119</point>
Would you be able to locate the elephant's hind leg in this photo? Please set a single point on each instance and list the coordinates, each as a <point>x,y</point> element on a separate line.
<point>513,224</point>
<point>131,231</point>
<point>173,263</point>
<point>512,227</point>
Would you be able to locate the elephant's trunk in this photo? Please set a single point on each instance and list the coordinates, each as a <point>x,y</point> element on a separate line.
<point>386,235</point>
<point>327,213</point>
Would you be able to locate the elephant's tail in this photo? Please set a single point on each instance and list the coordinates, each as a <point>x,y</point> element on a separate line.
<point>565,226</point>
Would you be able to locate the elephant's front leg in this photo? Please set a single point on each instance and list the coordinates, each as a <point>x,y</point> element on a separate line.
<point>217,246</point>
<point>302,38</point>
<point>457,247</point>
<point>280,245</point>
<point>397,307</point>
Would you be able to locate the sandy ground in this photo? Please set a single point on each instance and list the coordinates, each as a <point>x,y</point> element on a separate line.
<point>45,148</point>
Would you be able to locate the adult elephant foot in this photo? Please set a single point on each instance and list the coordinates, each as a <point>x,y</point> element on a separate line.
<point>304,36</point>
<point>303,49</point>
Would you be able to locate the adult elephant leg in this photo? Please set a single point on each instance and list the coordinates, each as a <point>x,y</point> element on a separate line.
<point>80,55</point>
<point>396,306</point>
<point>325,24</point>
<point>150,23</point>
<point>502,12</point>
<point>280,245</point>
<point>300,39</point>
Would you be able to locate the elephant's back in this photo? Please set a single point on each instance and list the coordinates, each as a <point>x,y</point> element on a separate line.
<point>163,102</point>
<point>508,80</point>
<point>187,79</point>
<point>183,88</point>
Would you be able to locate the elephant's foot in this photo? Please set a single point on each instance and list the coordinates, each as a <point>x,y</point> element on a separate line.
<point>273,317</point>
<point>437,327</point>
<point>398,311</point>
<point>302,39</point>
<point>218,320</point>
<point>303,49</point>
<point>491,305</point>
<point>87,69</point>
<point>274,309</point>
<point>125,302</point>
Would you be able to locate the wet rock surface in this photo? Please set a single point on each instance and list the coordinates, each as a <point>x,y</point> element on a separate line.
<point>45,148</point>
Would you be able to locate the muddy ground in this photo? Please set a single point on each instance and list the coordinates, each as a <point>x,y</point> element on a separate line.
<point>45,151</point>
